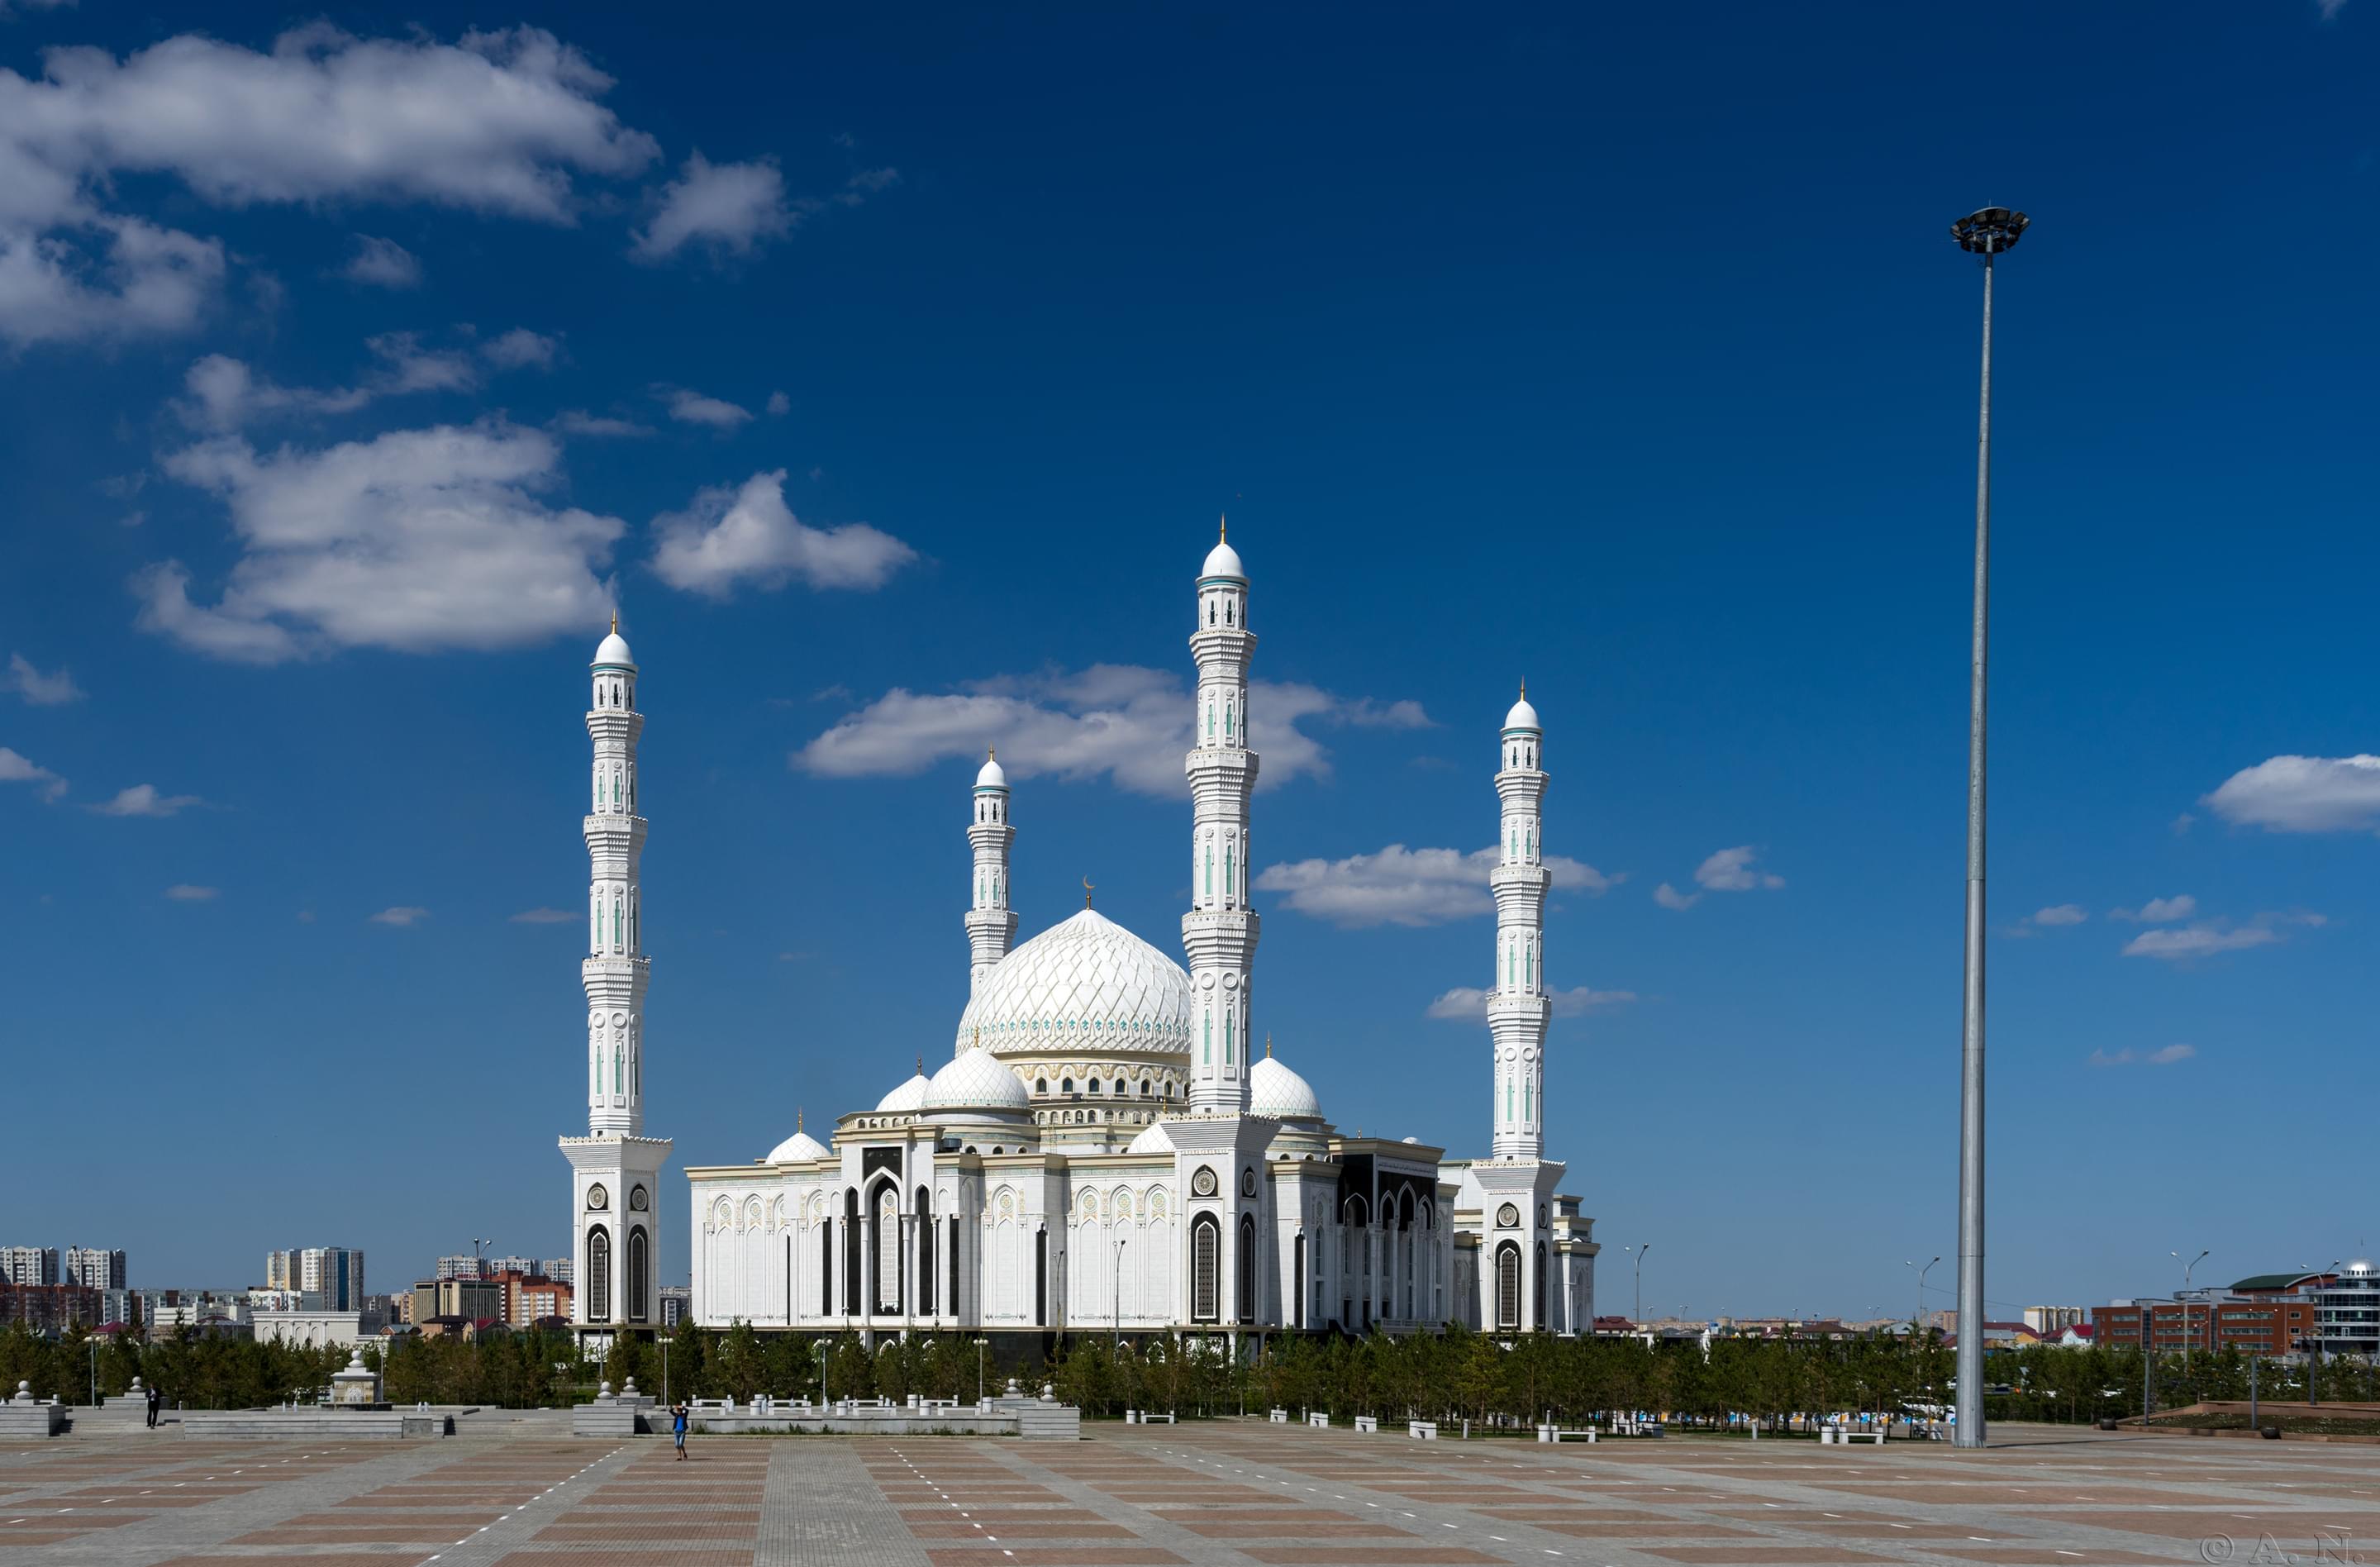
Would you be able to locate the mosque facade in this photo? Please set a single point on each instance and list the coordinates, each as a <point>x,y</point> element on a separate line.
<point>1106,1147</point>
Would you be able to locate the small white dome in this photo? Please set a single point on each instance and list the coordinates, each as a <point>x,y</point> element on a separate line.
<point>991,776</point>
<point>1277,1092</point>
<point>800,1146</point>
<point>1222,560</point>
<point>975,1080</point>
<point>1155,1139</point>
<point>907,1097</point>
<point>614,650</point>
<point>1522,715</point>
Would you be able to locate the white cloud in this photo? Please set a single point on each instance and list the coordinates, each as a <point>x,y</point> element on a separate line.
<point>497,122</point>
<point>42,690</point>
<point>2207,936</point>
<point>1463,1005</point>
<point>1671,898</point>
<point>184,892</point>
<point>692,407</point>
<point>578,421</point>
<point>1730,870</point>
<point>2158,911</point>
<point>15,769</point>
<point>416,540</point>
<point>2164,1056</point>
<point>1401,886</point>
<point>867,183</point>
<point>749,534</point>
<point>224,394</point>
<point>2290,794</point>
<point>522,349</point>
<point>382,263</point>
<point>2329,8</point>
<point>780,404</point>
<point>401,914</point>
<point>730,209</point>
<point>1120,720</point>
<point>545,917</point>
<point>142,799</point>
<point>2058,914</point>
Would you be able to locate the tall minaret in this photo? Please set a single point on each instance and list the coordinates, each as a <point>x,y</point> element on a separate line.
<point>615,1169</point>
<point>1517,1005</point>
<point>990,923</point>
<point>1219,932</point>
<point>616,969</point>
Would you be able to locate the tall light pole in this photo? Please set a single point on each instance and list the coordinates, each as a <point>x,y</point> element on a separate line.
<point>1638,1322</point>
<point>1986,234</point>
<point>1918,1317</point>
<point>978,1368</point>
<point>2186,1268</point>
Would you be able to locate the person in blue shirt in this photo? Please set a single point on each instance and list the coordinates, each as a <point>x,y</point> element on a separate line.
<point>677,1427</point>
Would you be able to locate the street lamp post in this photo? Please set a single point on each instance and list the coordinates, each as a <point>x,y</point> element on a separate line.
<point>1638,1321</point>
<point>1118,1328</point>
<point>1918,1317</point>
<point>2313,1347</point>
<point>2186,1268</point>
<point>978,1368</point>
<point>1985,233</point>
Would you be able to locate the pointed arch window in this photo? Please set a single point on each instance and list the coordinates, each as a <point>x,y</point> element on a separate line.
<point>1205,1294</point>
<point>1507,1099</point>
<point>1230,886</point>
<point>598,1274</point>
<point>1230,1015</point>
<point>1210,872</point>
<point>1508,1287</point>
<point>637,1260</point>
<point>1529,963</point>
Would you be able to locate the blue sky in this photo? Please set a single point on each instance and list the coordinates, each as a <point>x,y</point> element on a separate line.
<point>888,373</point>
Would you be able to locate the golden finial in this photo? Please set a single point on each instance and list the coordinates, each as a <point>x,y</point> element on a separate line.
<point>797,1118</point>
<point>615,623</point>
<point>1268,1044</point>
<point>991,753</point>
<point>1088,890</point>
<point>1222,529</point>
<point>1524,687</point>
<point>921,1065</point>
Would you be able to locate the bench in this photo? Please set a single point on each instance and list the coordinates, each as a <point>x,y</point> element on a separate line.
<point>1278,1417</point>
<point>1368,1423</point>
<point>1845,1435</point>
<point>1637,1428</point>
<point>714,1405</point>
<point>1555,1434</point>
<point>1320,1418</point>
<point>1426,1430</point>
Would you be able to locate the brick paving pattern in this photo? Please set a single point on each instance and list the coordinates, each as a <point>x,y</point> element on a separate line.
<point>1223,1492</point>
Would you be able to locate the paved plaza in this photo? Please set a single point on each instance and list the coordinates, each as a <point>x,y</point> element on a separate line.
<point>1226,1492</point>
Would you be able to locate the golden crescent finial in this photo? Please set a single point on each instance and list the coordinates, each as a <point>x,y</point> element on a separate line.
<point>1222,529</point>
<point>1524,687</point>
<point>921,1064</point>
<point>615,623</point>
<point>991,753</point>
<point>1268,1044</point>
<point>1088,890</point>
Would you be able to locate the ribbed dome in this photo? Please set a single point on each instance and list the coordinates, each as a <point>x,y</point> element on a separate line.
<point>1274,1090</point>
<point>973,1080</point>
<point>1155,1139</point>
<point>907,1097</point>
<point>613,649</point>
<point>800,1146</point>
<point>1086,984</point>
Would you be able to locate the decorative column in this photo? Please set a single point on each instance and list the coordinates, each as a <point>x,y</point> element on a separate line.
<point>617,970</point>
<point>990,923</point>
<point>1517,1004</point>
<point>1219,934</point>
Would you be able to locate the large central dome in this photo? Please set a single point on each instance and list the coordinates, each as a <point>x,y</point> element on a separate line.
<point>1084,985</point>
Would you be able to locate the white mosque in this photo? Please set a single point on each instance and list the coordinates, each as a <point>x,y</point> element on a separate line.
<point>1105,1149</point>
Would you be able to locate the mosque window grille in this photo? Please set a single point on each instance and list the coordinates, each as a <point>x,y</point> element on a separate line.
<point>1203,1261</point>
<point>1508,1287</point>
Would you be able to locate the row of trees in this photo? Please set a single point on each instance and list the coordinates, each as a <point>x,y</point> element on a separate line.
<point>1455,1375</point>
